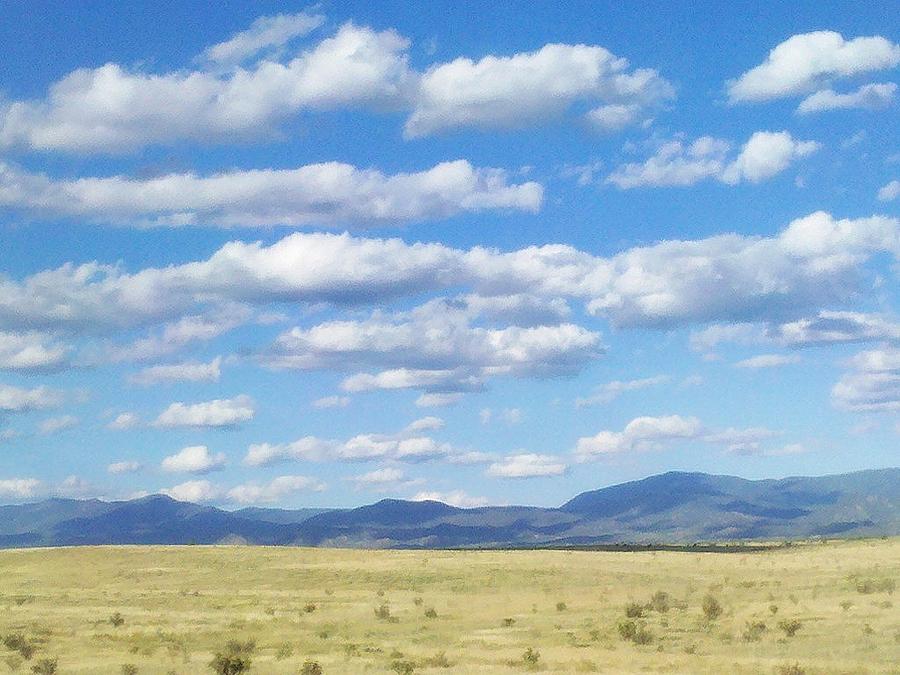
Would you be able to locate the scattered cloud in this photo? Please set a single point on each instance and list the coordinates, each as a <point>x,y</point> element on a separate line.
<point>222,413</point>
<point>31,351</point>
<point>527,465</point>
<point>17,400</point>
<point>767,361</point>
<point>123,467</point>
<point>20,488</point>
<point>806,61</point>
<point>610,391</point>
<point>457,498</point>
<point>194,459</point>
<point>274,491</point>
<point>53,425</point>
<point>867,97</point>
<point>194,491</point>
<point>438,400</point>
<point>873,383</point>
<point>123,421</point>
<point>331,402</point>
<point>890,191</point>
<point>264,34</point>
<point>189,371</point>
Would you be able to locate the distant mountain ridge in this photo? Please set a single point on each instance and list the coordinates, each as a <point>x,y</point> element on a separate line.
<point>674,507</point>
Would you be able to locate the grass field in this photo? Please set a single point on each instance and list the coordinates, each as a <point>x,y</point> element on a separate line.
<point>453,612</point>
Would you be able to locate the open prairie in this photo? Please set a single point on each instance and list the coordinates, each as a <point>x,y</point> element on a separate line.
<point>816,608</point>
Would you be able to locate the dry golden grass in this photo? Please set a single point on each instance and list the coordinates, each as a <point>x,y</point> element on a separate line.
<point>179,605</point>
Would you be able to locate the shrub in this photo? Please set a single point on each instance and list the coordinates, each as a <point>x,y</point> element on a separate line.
<point>634,610</point>
<point>45,667</point>
<point>531,658</point>
<point>17,642</point>
<point>790,626</point>
<point>508,621</point>
<point>791,669</point>
<point>309,607</point>
<point>627,630</point>
<point>431,613</point>
<point>403,667</point>
<point>867,586</point>
<point>285,651</point>
<point>383,612</point>
<point>418,602</point>
<point>773,609</point>
<point>117,619</point>
<point>439,660</point>
<point>561,607</point>
<point>753,631</point>
<point>234,659</point>
<point>311,668</point>
<point>128,669</point>
<point>712,610</point>
<point>660,602</point>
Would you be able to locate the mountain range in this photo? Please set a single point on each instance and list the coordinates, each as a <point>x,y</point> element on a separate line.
<point>671,508</point>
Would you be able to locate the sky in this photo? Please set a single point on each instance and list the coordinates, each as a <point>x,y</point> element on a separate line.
<point>291,255</point>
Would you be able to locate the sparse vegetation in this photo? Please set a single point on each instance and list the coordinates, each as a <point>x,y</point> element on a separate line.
<point>712,609</point>
<point>311,668</point>
<point>531,658</point>
<point>179,622</point>
<point>45,667</point>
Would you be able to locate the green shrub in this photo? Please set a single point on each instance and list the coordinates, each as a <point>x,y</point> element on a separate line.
<point>285,651</point>
<point>128,669</point>
<point>561,607</point>
<point>712,610</point>
<point>17,642</point>
<point>234,659</point>
<point>311,668</point>
<point>660,602</point>
<point>418,602</point>
<point>627,630</point>
<point>867,586</point>
<point>45,667</point>
<point>439,660</point>
<point>309,607</point>
<point>508,621</point>
<point>431,613</point>
<point>403,667</point>
<point>117,619</point>
<point>791,669</point>
<point>383,612</point>
<point>753,631</point>
<point>634,610</point>
<point>790,626</point>
<point>531,658</point>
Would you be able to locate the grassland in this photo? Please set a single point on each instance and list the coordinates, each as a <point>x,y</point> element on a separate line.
<point>170,609</point>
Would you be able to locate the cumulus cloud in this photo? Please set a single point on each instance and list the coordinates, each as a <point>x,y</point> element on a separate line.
<point>53,425</point>
<point>411,444</point>
<point>610,391</point>
<point>804,62</point>
<point>274,491</point>
<point>678,164</point>
<point>195,491</point>
<point>194,459</point>
<point>434,347</point>
<point>818,262</point>
<point>222,413</point>
<point>328,194</point>
<point>457,498</point>
<point>123,467</point>
<point>873,383</point>
<point>31,351</point>
<point>189,371</point>
<point>527,465</point>
<point>380,479</point>
<point>654,433</point>
<point>890,191</point>
<point>250,84</point>
<point>434,400</point>
<point>500,92</point>
<point>20,488</point>
<point>16,399</point>
<point>868,97</point>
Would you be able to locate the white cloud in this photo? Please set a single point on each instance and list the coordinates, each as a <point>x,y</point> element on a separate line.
<point>16,399</point>
<point>196,491</point>
<point>610,391</point>
<point>20,488</point>
<point>890,191</point>
<point>123,421</point>
<point>677,164</point>
<point>328,194</point>
<point>640,434</point>
<point>873,383</point>
<point>527,465</point>
<point>868,96</point>
<point>218,413</point>
<point>189,371</point>
<point>194,459</point>
<point>274,491</point>
<point>30,351</point>
<point>500,92</point>
<point>456,498</point>
<point>266,32</point>
<point>128,466</point>
<point>53,425</point>
<point>331,402</point>
<point>410,444</point>
<point>380,478</point>
<point>653,433</point>
<point>437,400</point>
<point>805,61</point>
<point>767,361</point>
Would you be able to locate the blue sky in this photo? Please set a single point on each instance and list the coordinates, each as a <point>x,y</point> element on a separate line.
<point>290,255</point>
